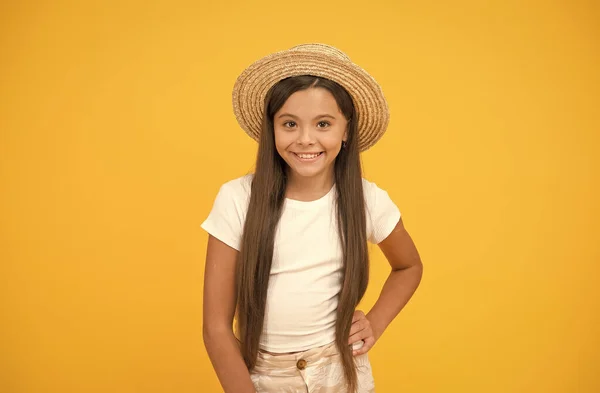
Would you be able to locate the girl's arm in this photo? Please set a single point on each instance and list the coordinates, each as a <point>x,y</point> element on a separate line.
<point>218,311</point>
<point>402,282</point>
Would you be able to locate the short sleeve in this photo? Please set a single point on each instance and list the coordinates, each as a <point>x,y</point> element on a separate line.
<point>382,213</point>
<point>226,219</point>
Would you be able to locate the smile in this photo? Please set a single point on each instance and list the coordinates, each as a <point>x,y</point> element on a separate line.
<point>308,157</point>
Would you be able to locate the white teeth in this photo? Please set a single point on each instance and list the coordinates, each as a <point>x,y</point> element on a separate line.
<point>308,156</point>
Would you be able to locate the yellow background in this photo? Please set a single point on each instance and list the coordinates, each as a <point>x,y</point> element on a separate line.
<point>117,130</point>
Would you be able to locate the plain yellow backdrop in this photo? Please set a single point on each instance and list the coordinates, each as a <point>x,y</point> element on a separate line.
<point>117,131</point>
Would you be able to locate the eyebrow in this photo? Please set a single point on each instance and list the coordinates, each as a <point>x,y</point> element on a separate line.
<point>296,117</point>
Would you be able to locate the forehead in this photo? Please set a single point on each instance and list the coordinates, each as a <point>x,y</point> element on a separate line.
<point>309,101</point>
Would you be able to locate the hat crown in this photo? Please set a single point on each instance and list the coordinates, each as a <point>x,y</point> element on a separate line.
<point>321,48</point>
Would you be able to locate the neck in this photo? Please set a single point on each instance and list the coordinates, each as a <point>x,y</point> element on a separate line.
<point>309,188</point>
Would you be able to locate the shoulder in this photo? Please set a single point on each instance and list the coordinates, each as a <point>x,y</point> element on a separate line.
<point>382,212</point>
<point>226,219</point>
<point>371,192</point>
<point>368,185</point>
<point>238,187</point>
<point>377,200</point>
<point>234,193</point>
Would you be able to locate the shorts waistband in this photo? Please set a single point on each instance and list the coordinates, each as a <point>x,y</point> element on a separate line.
<point>289,360</point>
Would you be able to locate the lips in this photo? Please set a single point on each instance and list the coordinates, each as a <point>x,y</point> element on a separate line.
<point>307,157</point>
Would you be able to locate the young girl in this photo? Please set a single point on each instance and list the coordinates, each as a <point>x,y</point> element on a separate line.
<point>287,245</point>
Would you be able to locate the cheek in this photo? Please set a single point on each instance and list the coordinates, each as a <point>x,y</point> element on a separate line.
<point>331,142</point>
<point>283,141</point>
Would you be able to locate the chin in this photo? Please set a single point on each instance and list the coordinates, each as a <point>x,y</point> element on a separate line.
<point>305,172</point>
<point>308,174</point>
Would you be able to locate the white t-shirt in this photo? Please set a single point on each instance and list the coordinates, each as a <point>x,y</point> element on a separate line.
<point>306,271</point>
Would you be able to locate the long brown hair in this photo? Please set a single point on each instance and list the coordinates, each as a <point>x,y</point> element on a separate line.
<point>264,211</point>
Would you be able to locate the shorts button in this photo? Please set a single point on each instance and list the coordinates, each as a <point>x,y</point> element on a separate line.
<point>301,364</point>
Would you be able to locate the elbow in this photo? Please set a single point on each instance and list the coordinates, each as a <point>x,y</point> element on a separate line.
<point>418,266</point>
<point>419,271</point>
<point>415,268</point>
<point>212,332</point>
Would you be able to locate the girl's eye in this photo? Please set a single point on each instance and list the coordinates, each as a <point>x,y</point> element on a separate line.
<point>325,124</point>
<point>287,124</point>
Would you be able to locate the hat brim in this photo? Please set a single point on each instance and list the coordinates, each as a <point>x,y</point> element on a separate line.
<point>255,81</point>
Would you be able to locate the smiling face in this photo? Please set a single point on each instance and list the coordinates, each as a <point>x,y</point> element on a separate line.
<point>309,130</point>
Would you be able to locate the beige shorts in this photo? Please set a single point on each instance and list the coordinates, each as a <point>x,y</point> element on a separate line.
<point>317,370</point>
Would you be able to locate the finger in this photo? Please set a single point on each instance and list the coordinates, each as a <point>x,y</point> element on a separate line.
<point>369,342</point>
<point>356,327</point>
<point>358,314</point>
<point>356,345</point>
<point>361,335</point>
<point>354,338</point>
<point>359,326</point>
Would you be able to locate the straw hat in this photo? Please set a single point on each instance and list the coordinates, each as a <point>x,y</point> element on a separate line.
<point>321,60</point>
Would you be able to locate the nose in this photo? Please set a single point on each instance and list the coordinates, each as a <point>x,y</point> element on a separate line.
<point>305,136</point>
